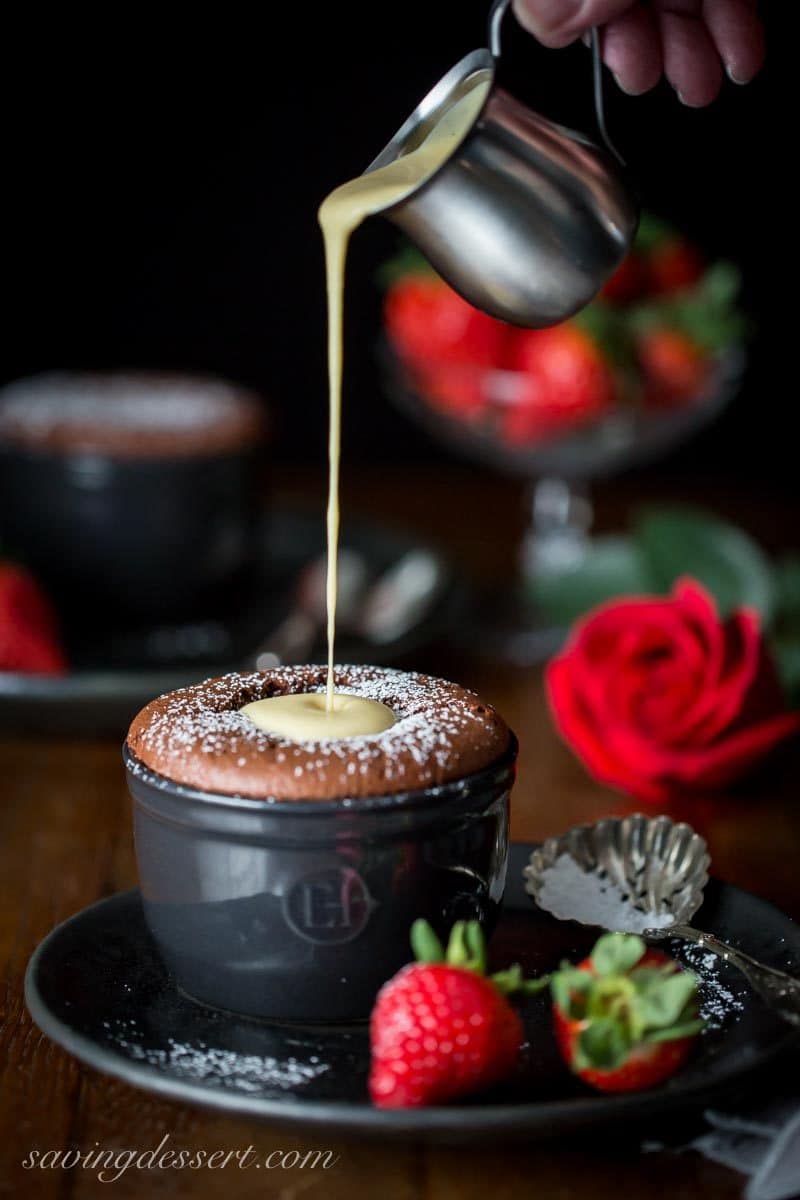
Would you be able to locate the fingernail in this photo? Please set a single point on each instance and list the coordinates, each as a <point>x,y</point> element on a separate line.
<point>629,91</point>
<point>734,78</point>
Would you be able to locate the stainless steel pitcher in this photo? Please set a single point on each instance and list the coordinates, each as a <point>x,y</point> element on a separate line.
<point>527,219</point>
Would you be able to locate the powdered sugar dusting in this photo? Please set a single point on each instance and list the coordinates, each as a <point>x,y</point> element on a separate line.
<point>573,894</point>
<point>717,1000</point>
<point>108,410</point>
<point>197,735</point>
<point>212,1065</point>
<point>127,402</point>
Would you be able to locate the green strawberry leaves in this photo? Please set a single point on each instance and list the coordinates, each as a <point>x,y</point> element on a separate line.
<point>570,988</point>
<point>688,1028</point>
<point>705,313</point>
<point>425,944</point>
<point>466,949</point>
<point>661,1002</point>
<point>617,953</point>
<point>652,232</point>
<point>604,1045</point>
<point>619,1004</point>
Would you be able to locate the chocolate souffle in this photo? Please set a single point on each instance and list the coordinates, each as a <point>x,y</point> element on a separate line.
<point>131,495</point>
<point>198,738</point>
<point>128,415</point>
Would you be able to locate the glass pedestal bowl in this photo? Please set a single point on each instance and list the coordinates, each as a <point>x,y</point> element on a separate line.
<point>468,408</point>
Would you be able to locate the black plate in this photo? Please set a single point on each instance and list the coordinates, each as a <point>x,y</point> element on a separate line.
<point>118,669</point>
<point>97,987</point>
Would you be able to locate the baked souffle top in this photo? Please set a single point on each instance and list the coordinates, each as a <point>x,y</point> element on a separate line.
<point>129,414</point>
<point>197,737</point>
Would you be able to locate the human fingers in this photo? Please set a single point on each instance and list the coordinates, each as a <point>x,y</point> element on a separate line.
<point>738,35</point>
<point>558,22</point>
<point>632,50</point>
<point>691,61</point>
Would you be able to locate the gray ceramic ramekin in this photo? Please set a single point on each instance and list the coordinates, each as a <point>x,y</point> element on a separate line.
<point>300,910</point>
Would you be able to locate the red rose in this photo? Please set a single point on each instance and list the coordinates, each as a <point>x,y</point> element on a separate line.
<point>658,697</point>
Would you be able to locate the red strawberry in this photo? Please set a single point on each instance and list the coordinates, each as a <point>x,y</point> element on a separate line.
<point>427,321</point>
<point>674,366</point>
<point>626,1017</point>
<point>440,1028</point>
<point>672,265</point>
<point>627,283</point>
<point>454,388</point>
<point>28,631</point>
<point>568,382</point>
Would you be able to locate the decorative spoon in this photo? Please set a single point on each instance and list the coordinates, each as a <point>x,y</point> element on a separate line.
<point>643,875</point>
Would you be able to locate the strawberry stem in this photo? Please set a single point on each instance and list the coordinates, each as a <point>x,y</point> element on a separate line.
<point>425,944</point>
<point>467,947</point>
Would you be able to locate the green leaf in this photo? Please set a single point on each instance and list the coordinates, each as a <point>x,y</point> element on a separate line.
<point>662,1001</point>
<point>706,313</point>
<point>608,326</point>
<point>511,980</point>
<point>457,954</point>
<point>691,541</point>
<point>786,654</point>
<point>476,946</point>
<point>425,943</point>
<point>570,988</point>
<point>652,232</point>
<point>407,261</point>
<point>785,645</point>
<point>530,987</point>
<point>617,953</point>
<point>467,947</point>
<point>612,566</point>
<point>614,996</point>
<point>787,585</point>
<point>682,1030</point>
<point>720,286</point>
<point>604,1045</point>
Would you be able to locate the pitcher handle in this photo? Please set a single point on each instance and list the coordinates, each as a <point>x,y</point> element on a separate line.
<point>496,14</point>
<point>599,101</point>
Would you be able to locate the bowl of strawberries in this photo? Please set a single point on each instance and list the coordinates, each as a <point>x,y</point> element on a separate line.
<point>651,360</point>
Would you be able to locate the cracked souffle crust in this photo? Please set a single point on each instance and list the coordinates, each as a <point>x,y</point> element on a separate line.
<point>197,737</point>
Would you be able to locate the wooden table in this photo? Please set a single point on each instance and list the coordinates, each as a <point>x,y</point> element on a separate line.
<point>65,841</point>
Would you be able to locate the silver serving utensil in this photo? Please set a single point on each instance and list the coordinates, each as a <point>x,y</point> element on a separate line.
<point>400,597</point>
<point>527,219</point>
<point>650,871</point>
<point>381,611</point>
<point>291,641</point>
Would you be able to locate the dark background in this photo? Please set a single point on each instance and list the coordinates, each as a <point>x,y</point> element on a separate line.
<point>162,180</point>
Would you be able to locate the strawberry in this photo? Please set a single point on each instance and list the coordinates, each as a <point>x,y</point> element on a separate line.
<point>626,1017</point>
<point>441,1028</point>
<point>428,322</point>
<point>627,283</point>
<point>453,388</point>
<point>673,265</point>
<point>28,631</point>
<point>674,366</point>
<point>568,382</point>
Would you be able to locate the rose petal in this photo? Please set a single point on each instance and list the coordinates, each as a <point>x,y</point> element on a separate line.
<point>722,763</point>
<point>576,727</point>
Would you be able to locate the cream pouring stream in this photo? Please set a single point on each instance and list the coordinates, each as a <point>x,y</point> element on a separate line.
<point>339,216</point>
